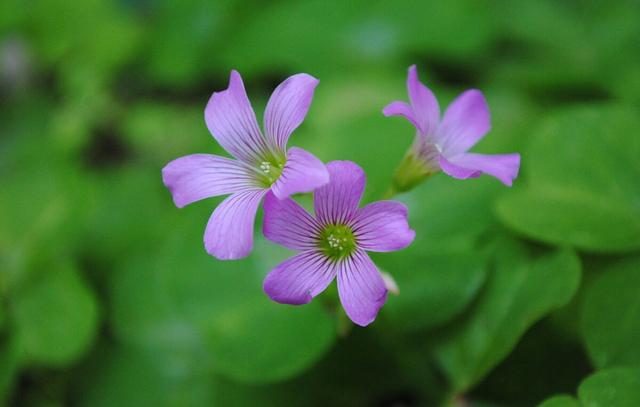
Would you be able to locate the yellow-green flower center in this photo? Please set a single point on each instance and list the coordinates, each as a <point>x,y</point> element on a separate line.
<point>337,241</point>
<point>269,169</point>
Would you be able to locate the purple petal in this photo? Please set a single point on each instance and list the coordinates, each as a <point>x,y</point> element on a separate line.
<point>424,103</point>
<point>287,223</point>
<point>337,201</point>
<point>231,120</point>
<point>229,233</point>
<point>303,172</point>
<point>298,279</point>
<point>456,171</point>
<point>361,288</point>
<point>383,227</point>
<point>198,176</point>
<point>465,122</point>
<point>288,107</point>
<point>399,108</point>
<point>504,167</point>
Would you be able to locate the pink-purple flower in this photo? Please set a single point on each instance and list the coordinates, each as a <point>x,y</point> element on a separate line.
<point>444,144</point>
<point>333,244</point>
<point>262,162</point>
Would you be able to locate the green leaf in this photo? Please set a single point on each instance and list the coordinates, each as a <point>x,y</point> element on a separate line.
<point>461,28</point>
<point>185,298</point>
<point>560,401</point>
<point>619,387</point>
<point>151,129</point>
<point>131,377</point>
<point>434,288</point>
<point>447,213</point>
<point>356,34</point>
<point>99,34</point>
<point>611,316</point>
<point>43,200</point>
<point>56,317</point>
<point>185,40</point>
<point>253,342</point>
<point>521,289</point>
<point>9,365</point>
<point>445,267</point>
<point>133,211</point>
<point>582,187</point>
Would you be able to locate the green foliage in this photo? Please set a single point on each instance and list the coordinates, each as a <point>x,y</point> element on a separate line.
<point>434,288</point>
<point>56,317</point>
<point>582,187</point>
<point>611,316</point>
<point>521,289</point>
<point>608,387</point>
<point>133,378</point>
<point>560,401</point>
<point>611,387</point>
<point>108,298</point>
<point>445,267</point>
<point>179,301</point>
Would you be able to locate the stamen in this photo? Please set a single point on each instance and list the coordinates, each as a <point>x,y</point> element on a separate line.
<point>269,169</point>
<point>337,241</point>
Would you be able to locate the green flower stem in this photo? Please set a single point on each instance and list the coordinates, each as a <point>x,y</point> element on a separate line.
<point>411,171</point>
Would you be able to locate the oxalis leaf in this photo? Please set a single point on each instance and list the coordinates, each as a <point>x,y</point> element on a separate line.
<point>619,387</point>
<point>434,288</point>
<point>186,299</point>
<point>521,288</point>
<point>56,317</point>
<point>444,268</point>
<point>583,190</point>
<point>611,316</point>
<point>9,365</point>
<point>122,376</point>
<point>560,401</point>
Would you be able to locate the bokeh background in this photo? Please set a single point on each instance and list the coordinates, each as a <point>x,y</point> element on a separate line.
<point>507,297</point>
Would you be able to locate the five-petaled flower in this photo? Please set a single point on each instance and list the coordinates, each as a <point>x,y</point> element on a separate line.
<point>444,144</point>
<point>262,162</point>
<point>334,243</point>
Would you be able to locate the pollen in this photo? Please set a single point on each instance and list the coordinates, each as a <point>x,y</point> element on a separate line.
<point>269,170</point>
<point>337,241</point>
<point>265,166</point>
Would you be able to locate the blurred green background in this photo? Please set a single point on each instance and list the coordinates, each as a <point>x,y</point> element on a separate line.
<point>507,297</point>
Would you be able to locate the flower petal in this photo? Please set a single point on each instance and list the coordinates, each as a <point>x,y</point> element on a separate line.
<point>504,167</point>
<point>303,172</point>
<point>456,171</point>
<point>229,233</point>
<point>287,108</point>
<point>300,278</point>
<point>399,108</point>
<point>231,120</point>
<point>198,176</point>
<point>382,227</point>
<point>465,122</point>
<point>337,201</point>
<point>289,224</point>
<point>425,105</point>
<point>361,288</point>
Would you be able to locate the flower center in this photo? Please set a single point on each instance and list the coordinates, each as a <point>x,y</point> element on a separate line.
<point>269,170</point>
<point>337,241</point>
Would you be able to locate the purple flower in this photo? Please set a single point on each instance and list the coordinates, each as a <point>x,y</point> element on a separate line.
<point>262,162</point>
<point>444,144</point>
<point>334,243</point>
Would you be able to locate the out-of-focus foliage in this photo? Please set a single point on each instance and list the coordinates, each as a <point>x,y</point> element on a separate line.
<point>610,322</point>
<point>582,188</point>
<point>508,297</point>
<point>608,387</point>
